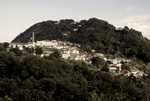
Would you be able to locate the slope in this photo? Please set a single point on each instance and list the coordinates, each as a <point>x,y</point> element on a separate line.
<point>92,34</point>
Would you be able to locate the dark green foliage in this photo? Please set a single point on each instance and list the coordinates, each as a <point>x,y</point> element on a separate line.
<point>92,34</point>
<point>30,78</point>
<point>28,50</point>
<point>54,56</point>
<point>126,66</point>
<point>6,98</point>
<point>98,62</point>
<point>2,48</point>
<point>16,51</point>
<point>38,51</point>
<point>105,68</point>
<point>6,45</point>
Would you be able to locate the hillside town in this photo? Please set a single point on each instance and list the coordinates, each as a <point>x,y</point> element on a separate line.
<point>72,51</point>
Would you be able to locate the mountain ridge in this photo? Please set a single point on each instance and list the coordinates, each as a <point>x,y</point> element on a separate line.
<point>92,34</point>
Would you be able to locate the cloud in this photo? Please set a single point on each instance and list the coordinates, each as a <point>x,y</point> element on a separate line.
<point>140,23</point>
<point>141,26</point>
<point>134,19</point>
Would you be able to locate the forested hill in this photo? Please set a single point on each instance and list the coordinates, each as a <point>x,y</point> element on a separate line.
<point>92,34</point>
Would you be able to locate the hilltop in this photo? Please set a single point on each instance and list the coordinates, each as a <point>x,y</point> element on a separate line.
<point>59,77</point>
<point>92,34</point>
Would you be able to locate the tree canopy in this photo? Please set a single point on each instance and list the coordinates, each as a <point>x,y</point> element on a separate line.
<point>92,34</point>
<point>31,78</point>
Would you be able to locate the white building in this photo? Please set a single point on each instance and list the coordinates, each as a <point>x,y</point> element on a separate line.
<point>29,44</point>
<point>45,54</point>
<point>17,45</point>
<point>58,46</point>
<point>74,51</point>
<point>65,56</point>
<point>99,55</point>
<point>46,43</point>
<point>137,73</point>
<point>113,68</point>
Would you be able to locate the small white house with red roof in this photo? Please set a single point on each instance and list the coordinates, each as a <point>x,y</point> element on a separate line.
<point>137,73</point>
<point>99,55</point>
<point>46,42</point>
<point>114,67</point>
<point>15,45</point>
<point>58,46</point>
<point>29,44</point>
<point>125,72</point>
<point>45,54</point>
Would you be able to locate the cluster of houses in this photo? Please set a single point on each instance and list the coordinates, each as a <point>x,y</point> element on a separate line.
<point>67,49</point>
<point>115,66</point>
<point>72,52</point>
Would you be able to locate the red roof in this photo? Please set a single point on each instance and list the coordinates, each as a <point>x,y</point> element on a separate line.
<point>124,71</point>
<point>15,43</point>
<point>29,43</point>
<point>113,65</point>
<point>46,40</point>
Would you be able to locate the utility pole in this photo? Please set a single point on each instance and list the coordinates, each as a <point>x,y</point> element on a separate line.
<point>33,43</point>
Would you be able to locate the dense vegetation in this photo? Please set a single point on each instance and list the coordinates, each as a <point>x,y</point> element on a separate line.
<point>92,34</point>
<point>30,78</point>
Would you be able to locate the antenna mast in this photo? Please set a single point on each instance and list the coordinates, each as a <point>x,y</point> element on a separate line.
<point>33,43</point>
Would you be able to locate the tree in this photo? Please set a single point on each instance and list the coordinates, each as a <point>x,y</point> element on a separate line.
<point>6,98</point>
<point>2,48</point>
<point>105,68</point>
<point>38,51</point>
<point>126,66</point>
<point>98,62</point>
<point>16,51</point>
<point>55,55</point>
<point>28,50</point>
<point>6,45</point>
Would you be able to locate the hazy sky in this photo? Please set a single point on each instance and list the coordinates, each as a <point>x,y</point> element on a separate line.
<point>18,15</point>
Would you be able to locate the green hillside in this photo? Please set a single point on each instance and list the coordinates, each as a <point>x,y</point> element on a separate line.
<point>25,77</point>
<point>30,78</point>
<point>92,34</point>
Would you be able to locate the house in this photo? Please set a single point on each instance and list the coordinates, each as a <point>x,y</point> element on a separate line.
<point>117,60</point>
<point>58,46</point>
<point>125,72</point>
<point>65,56</point>
<point>44,54</point>
<point>75,29</point>
<point>40,43</point>
<point>7,49</point>
<point>29,44</point>
<point>93,51</point>
<point>99,55</point>
<point>48,46</point>
<point>77,45</point>
<point>46,42</point>
<point>23,51</point>
<point>127,60</point>
<point>104,58</point>
<point>72,58</point>
<point>137,73</point>
<point>114,68</point>
<point>16,45</point>
<point>80,57</point>
<point>119,64</point>
<point>74,51</point>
